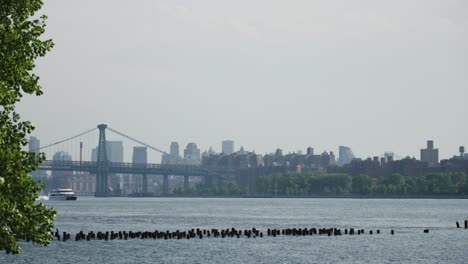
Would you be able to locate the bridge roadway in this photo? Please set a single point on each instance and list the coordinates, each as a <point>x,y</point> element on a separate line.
<point>130,168</point>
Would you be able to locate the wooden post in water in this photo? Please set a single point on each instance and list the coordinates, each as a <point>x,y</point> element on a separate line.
<point>458,225</point>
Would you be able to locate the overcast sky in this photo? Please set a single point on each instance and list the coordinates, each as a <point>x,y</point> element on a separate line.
<point>372,75</point>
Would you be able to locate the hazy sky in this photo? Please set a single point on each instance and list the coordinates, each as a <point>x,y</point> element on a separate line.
<point>373,75</point>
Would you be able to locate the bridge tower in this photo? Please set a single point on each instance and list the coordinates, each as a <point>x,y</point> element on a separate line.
<point>102,164</point>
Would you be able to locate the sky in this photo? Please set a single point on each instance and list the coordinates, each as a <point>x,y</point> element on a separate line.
<point>372,75</point>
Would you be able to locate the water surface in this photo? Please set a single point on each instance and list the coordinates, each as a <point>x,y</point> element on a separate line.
<point>408,217</point>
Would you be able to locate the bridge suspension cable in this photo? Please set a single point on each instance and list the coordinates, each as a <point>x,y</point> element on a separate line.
<point>136,140</point>
<point>68,139</point>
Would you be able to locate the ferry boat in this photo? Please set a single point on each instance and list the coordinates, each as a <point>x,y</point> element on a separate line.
<point>62,194</point>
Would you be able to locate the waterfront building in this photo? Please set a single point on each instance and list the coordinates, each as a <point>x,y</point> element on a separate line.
<point>430,154</point>
<point>227,147</point>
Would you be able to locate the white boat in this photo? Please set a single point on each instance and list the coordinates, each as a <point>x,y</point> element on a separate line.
<point>62,194</point>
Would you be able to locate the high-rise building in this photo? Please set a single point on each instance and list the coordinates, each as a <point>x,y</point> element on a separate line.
<point>94,154</point>
<point>227,146</point>
<point>192,154</point>
<point>173,157</point>
<point>140,155</point>
<point>34,144</point>
<point>174,149</point>
<point>139,158</point>
<point>430,154</point>
<point>345,155</point>
<point>114,151</point>
<point>61,179</point>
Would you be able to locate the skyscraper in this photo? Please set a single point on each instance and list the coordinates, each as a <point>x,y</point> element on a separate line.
<point>173,157</point>
<point>192,154</point>
<point>345,155</point>
<point>114,151</point>
<point>227,146</point>
<point>140,155</point>
<point>174,149</point>
<point>34,144</point>
<point>61,179</point>
<point>139,158</point>
<point>430,154</point>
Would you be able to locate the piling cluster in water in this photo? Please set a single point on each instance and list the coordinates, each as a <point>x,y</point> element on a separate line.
<point>204,233</point>
<point>217,233</point>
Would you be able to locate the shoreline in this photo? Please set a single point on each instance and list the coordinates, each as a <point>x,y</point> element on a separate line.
<point>302,196</point>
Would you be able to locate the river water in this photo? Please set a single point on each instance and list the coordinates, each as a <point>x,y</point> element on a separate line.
<point>408,217</point>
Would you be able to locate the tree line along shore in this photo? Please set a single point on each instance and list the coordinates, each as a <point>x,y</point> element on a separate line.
<point>341,185</point>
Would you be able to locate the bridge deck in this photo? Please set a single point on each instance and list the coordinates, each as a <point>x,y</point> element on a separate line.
<point>128,168</point>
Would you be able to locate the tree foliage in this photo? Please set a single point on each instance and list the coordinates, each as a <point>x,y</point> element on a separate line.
<point>317,183</point>
<point>20,46</point>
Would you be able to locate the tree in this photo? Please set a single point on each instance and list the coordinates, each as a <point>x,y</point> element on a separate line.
<point>363,184</point>
<point>20,46</point>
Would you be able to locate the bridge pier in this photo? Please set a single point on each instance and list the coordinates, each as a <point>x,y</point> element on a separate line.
<point>145,184</point>
<point>186,183</point>
<point>102,189</point>
<point>166,184</point>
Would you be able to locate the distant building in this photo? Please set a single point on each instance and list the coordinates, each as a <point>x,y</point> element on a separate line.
<point>114,151</point>
<point>139,159</point>
<point>279,152</point>
<point>430,154</point>
<point>61,179</point>
<point>140,156</point>
<point>345,155</point>
<point>192,154</point>
<point>389,157</point>
<point>61,156</point>
<point>34,144</point>
<point>173,157</point>
<point>208,153</point>
<point>174,149</point>
<point>227,147</point>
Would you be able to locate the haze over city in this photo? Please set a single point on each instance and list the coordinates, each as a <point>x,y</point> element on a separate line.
<point>376,76</point>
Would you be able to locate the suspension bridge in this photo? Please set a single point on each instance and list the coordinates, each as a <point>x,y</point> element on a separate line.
<point>102,167</point>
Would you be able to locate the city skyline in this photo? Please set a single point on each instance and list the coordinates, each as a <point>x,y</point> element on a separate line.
<point>344,154</point>
<point>375,76</point>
